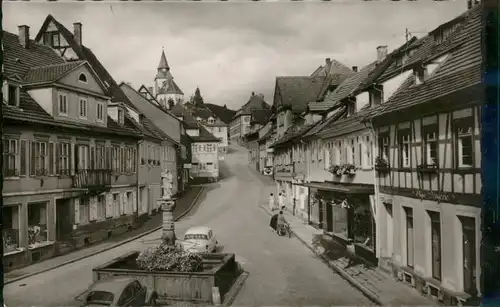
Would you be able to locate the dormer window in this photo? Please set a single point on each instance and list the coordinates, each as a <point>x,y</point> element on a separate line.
<point>13,95</point>
<point>121,116</point>
<point>376,96</point>
<point>82,78</point>
<point>351,108</point>
<point>420,74</point>
<point>211,120</point>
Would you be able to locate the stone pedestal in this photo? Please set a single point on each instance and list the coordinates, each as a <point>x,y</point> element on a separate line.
<point>168,229</point>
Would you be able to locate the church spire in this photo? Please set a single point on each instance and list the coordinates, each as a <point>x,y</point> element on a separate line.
<point>163,61</point>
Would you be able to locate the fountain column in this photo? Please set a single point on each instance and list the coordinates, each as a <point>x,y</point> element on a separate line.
<point>167,205</point>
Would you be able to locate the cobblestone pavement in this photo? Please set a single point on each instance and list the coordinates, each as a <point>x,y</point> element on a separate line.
<point>283,272</point>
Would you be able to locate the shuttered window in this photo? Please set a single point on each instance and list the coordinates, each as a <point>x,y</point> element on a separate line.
<point>23,157</point>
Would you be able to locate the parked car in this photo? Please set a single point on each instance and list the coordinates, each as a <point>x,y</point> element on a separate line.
<point>117,292</point>
<point>199,239</point>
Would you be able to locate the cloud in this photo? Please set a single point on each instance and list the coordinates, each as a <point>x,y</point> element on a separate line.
<point>232,49</point>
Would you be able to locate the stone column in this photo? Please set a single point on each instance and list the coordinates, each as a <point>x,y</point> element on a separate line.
<point>167,205</point>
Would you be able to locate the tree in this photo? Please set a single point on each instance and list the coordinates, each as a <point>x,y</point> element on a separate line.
<point>197,99</point>
<point>171,103</point>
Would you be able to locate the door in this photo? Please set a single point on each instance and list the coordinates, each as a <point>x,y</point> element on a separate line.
<point>469,254</point>
<point>390,230</point>
<point>329,217</point>
<point>63,222</point>
<point>436,244</point>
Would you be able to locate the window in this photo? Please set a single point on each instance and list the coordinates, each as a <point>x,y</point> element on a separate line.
<point>436,244</point>
<point>101,207</point>
<point>130,203</point>
<point>404,148</point>
<point>367,156</point>
<point>83,157</point>
<point>209,148</point>
<point>116,204</point>
<point>430,145</point>
<point>211,120</point>
<point>409,237</point>
<point>352,157</point>
<point>37,223</point>
<point>464,143</point>
<point>10,228</point>
<point>115,159</point>
<point>100,111</point>
<point>55,39</point>
<point>63,104</point>
<point>63,158</point>
<point>100,157</point>
<point>469,254</point>
<point>13,95</point>
<point>339,153</point>
<point>83,107</point>
<point>121,118</point>
<point>100,298</point>
<point>383,142</point>
<point>82,78</point>
<point>39,158</point>
<point>10,158</point>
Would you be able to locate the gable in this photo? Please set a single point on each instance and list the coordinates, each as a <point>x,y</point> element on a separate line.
<point>72,79</point>
<point>54,38</point>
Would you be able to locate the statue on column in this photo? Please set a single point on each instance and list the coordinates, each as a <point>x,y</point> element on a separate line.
<point>167,204</point>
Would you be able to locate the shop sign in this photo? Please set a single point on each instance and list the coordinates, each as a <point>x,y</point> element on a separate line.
<point>433,195</point>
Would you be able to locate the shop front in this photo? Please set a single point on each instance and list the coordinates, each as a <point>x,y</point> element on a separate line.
<point>345,212</point>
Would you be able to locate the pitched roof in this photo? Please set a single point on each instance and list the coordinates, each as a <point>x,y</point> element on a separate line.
<point>292,133</point>
<point>331,67</point>
<point>180,111</point>
<point>163,61</point>
<point>260,116</point>
<point>85,53</point>
<point>320,125</point>
<point>204,136</point>
<point>268,134</point>
<point>19,60</point>
<point>50,73</point>
<point>170,87</point>
<point>320,106</point>
<point>223,113</point>
<point>255,102</point>
<point>205,113</point>
<point>461,69</point>
<point>297,92</point>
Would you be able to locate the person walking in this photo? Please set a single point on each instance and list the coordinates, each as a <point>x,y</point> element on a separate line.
<point>271,202</point>
<point>280,222</point>
<point>281,200</point>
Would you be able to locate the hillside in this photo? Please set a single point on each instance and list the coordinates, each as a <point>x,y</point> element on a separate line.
<point>223,113</point>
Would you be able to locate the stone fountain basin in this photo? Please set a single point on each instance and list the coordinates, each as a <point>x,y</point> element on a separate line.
<point>219,270</point>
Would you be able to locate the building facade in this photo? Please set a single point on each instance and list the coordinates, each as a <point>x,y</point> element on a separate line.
<point>70,163</point>
<point>241,122</point>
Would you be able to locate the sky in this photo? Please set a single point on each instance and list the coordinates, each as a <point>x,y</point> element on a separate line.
<point>231,49</point>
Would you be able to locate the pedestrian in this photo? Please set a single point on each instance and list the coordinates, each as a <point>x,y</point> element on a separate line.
<point>271,202</point>
<point>274,221</point>
<point>280,222</point>
<point>281,200</point>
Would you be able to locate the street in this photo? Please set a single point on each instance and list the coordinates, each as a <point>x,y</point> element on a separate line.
<point>282,271</point>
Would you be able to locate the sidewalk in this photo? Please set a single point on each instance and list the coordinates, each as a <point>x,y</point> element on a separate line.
<point>183,205</point>
<point>380,287</point>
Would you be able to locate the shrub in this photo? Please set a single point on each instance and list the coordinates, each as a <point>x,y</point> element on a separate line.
<point>169,258</point>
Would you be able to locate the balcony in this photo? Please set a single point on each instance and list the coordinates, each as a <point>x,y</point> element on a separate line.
<point>96,181</point>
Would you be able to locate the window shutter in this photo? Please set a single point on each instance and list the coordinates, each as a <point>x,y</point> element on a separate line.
<point>58,158</point>
<point>92,157</point>
<point>134,201</point>
<point>22,155</point>
<point>109,205</point>
<point>107,154</point>
<point>93,208</point>
<point>71,158</point>
<point>51,158</point>
<point>77,210</point>
<point>33,158</point>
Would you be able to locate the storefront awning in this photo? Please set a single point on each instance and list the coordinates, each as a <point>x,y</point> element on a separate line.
<point>341,188</point>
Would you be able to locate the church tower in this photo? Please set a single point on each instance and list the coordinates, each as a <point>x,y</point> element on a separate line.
<point>165,87</point>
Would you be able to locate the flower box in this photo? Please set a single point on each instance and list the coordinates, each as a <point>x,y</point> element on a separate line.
<point>336,170</point>
<point>381,165</point>
<point>349,169</point>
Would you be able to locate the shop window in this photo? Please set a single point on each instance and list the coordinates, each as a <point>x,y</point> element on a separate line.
<point>435,244</point>
<point>410,243</point>
<point>10,229</point>
<point>363,224</point>
<point>37,224</point>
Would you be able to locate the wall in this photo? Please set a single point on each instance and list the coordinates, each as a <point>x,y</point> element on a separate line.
<point>72,79</point>
<point>149,174</point>
<point>245,124</point>
<point>200,156</point>
<point>219,132</point>
<point>69,53</point>
<point>193,132</point>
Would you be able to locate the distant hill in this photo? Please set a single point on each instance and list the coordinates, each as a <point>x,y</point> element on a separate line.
<point>223,113</point>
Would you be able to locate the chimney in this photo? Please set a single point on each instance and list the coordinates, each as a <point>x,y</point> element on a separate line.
<point>253,93</point>
<point>355,68</point>
<point>328,61</point>
<point>381,53</point>
<point>77,32</point>
<point>469,4</point>
<point>24,35</point>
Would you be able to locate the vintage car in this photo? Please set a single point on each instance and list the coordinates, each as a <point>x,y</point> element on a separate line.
<point>199,239</point>
<point>117,292</point>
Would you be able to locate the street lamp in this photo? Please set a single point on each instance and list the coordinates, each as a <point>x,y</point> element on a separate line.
<point>167,205</point>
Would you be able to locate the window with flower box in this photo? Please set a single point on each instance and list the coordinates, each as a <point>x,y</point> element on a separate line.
<point>383,146</point>
<point>404,147</point>
<point>10,158</point>
<point>10,228</point>
<point>37,224</point>
<point>464,142</point>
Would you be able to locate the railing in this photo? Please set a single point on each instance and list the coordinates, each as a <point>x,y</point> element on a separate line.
<point>92,178</point>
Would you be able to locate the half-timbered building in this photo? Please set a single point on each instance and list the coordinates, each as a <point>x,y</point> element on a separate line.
<point>69,171</point>
<point>428,165</point>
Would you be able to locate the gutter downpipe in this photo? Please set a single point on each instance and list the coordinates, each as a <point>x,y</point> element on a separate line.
<point>376,196</point>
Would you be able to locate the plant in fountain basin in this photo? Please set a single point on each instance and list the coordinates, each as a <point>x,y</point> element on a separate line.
<point>170,258</point>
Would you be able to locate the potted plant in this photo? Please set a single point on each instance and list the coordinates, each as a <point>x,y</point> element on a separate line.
<point>381,164</point>
<point>349,169</point>
<point>427,168</point>
<point>335,170</point>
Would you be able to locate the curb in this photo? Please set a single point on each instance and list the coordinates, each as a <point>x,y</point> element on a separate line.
<point>235,289</point>
<point>105,249</point>
<point>372,297</point>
